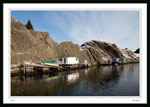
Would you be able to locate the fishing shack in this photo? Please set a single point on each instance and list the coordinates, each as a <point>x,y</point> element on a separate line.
<point>69,60</point>
<point>115,61</point>
<point>118,60</point>
<point>122,60</point>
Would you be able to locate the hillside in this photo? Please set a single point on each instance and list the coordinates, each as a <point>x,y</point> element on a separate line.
<point>38,46</point>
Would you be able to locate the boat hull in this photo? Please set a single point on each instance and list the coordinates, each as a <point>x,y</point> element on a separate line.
<point>50,64</point>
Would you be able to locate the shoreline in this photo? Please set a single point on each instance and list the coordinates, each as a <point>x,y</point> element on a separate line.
<point>16,72</point>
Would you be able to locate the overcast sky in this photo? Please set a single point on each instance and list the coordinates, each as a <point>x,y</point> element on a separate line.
<point>119,27</point>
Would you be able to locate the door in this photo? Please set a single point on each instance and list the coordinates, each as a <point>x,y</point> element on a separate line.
<point>64,60</point>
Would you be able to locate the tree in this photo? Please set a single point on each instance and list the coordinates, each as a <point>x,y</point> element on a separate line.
<point>29,25</point>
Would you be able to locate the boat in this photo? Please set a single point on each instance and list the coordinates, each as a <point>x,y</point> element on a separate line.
<point>49,63</point>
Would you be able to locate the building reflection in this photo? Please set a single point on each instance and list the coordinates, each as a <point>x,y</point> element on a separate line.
<point>71,77</point>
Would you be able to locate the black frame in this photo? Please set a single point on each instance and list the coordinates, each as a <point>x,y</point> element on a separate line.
<point>104,1</point>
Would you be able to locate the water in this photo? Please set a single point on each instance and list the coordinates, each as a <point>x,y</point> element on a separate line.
<point>122,80</point>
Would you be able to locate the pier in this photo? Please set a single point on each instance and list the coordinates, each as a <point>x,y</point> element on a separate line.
<point>27,69</point>
<point>73,66</point>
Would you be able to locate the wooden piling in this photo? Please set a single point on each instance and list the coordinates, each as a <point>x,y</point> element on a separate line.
<point>24,72</point>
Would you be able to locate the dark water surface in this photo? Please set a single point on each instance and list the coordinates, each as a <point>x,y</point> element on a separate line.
<point>122,80</point>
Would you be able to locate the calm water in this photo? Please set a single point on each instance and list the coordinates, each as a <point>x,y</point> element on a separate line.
<point>122,80</point>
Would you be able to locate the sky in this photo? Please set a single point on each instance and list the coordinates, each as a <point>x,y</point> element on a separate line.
<point>119,27</point>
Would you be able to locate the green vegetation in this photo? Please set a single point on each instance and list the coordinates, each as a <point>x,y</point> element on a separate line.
<point>29,25</point>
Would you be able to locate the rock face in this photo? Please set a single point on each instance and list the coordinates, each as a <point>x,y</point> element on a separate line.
<point>103,52</point>
<point>27,44</point>
<point>130,56</point>
<point>137,51</point>
<point>37,46</point>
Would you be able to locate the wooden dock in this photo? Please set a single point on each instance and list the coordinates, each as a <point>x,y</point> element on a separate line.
<point>31,69</point>
<point>73,66</point>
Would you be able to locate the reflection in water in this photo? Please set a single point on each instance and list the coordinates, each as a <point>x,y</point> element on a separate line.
<point>122,80</point>
<point>71,77</point>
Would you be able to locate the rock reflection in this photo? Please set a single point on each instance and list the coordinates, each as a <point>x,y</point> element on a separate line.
<point>103,74</point>
<point>103,80</point>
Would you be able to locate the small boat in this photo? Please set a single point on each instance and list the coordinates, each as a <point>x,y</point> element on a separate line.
<point>49,63</point>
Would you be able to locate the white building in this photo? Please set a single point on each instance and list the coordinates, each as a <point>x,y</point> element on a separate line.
<point>69,60</point>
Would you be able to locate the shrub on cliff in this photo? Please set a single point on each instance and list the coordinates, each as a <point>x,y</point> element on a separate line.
<point>29,25</point>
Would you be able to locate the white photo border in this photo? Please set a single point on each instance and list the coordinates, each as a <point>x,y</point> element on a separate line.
<point>141,7</point>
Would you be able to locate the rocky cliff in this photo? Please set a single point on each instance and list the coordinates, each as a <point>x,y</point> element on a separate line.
<point>137,51</point>
<point>103,52</point>
<point>27,44</point>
